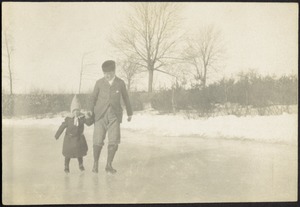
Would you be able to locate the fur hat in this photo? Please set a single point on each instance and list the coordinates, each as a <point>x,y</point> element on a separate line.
<point>75,104</point>
<point>109,66</point>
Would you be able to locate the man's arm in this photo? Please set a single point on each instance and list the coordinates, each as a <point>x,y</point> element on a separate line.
<point>126,99</point>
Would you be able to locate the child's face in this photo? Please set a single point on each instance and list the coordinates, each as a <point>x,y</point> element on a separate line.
<point>76,112</point>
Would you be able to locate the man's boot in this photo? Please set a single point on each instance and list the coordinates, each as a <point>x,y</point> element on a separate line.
<point>111,151</point>
<point>67,163</point>
<point>97,151</point>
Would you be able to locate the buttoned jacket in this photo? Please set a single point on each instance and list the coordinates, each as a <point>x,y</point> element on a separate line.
<point>105,95</point>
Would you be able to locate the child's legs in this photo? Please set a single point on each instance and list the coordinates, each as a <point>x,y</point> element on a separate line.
<point>67,162</point>
<point>80,160</point>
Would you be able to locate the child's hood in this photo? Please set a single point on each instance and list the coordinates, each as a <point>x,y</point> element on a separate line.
<point>75,104</point>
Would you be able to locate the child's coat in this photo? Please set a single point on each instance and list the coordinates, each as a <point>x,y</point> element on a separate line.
<point>74,144</point>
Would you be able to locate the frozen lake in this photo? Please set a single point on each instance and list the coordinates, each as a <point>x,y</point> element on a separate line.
<point>151,169</point>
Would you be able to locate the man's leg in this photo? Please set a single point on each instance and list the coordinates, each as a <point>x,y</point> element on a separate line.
<point>98,141</point>
<point>112,149</point>
<point>114,136</point>
<point>97,150</point>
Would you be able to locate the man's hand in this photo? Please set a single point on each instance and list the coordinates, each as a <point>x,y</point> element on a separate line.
<point>89,114</point>
<point>129,118</point>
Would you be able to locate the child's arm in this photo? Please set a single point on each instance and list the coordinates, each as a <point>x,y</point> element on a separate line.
<point>61,129</point>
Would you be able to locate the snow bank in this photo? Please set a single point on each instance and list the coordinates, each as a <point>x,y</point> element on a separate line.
<point>279,128</point>
<point>33,122</point>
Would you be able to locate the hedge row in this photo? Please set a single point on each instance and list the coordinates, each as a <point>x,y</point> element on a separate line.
<point>249,90</point>
<point>29,104</point>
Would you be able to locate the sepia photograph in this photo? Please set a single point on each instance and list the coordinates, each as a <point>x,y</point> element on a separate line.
<point>149,102</point>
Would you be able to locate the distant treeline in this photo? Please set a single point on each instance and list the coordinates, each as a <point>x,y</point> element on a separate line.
<point>249,90</point>
<point>35,104</point>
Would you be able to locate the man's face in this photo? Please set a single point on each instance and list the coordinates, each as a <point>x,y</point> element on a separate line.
<point>109,75</point>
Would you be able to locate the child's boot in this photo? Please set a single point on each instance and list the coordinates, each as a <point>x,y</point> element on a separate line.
<point>80,161</point>
<point>67,163</point>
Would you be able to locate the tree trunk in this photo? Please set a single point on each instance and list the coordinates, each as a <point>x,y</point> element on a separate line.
<point>8,65</point>
<point>128,85</point>
<point>150,80</point>
<point>173,100</point>
<point>204,77</point>
<point>10,83</point>
<point>80,75</point>
<point>80,82</point>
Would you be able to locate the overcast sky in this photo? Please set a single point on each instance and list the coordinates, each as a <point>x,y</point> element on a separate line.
<point>50,38</point>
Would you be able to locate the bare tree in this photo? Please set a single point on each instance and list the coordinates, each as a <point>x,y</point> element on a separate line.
<point>83,74</point>
<point>8,54</point>
<point>129,70</point>
<point>150,33</point>
<point>204,52</point>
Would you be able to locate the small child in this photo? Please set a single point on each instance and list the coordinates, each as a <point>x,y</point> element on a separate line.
<point>75,145</point>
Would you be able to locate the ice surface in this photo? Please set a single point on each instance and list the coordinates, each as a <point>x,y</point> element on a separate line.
<point>161,159</point>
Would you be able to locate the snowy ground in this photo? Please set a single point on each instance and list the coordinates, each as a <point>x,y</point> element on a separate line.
<point>272,129</point>
<point>162,158</point>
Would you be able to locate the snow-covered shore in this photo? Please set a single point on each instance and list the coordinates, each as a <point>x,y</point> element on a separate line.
<point>274,129</point>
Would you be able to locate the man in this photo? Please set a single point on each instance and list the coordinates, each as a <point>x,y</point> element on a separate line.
<point>106,105</point>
